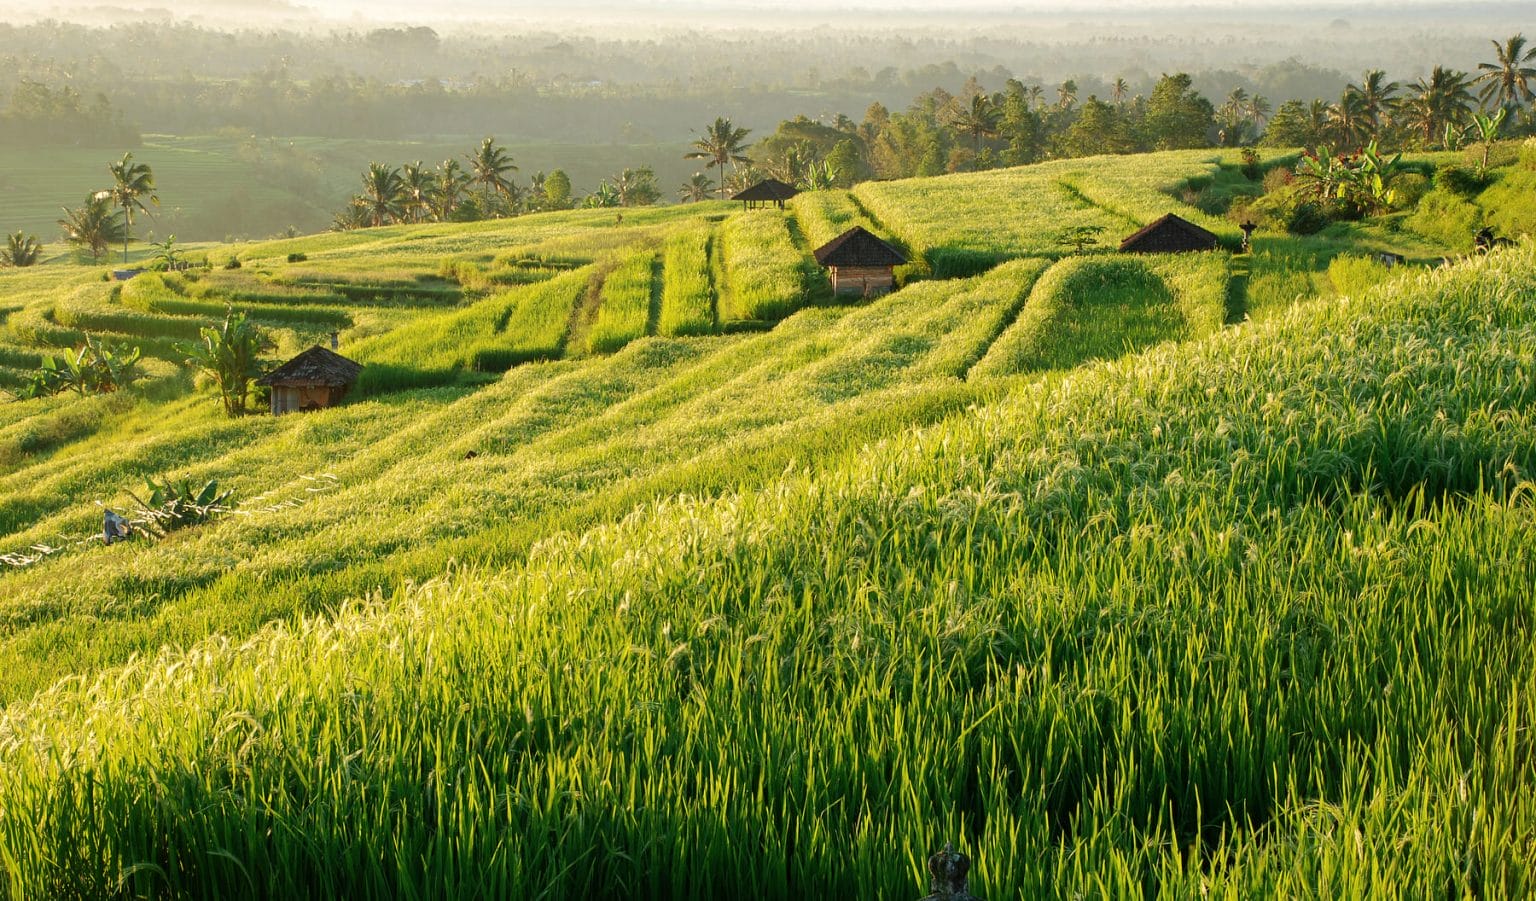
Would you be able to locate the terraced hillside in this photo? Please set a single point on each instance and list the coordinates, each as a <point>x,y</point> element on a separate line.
<point>641,567</point>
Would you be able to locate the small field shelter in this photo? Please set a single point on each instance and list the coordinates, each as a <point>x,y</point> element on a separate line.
<point>1169,234</point>
<point>860,263</point>
<point>766,192</point>
<point>313,380</point>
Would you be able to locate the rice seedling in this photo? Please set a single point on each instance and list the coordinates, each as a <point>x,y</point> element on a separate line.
<point>801,602</point>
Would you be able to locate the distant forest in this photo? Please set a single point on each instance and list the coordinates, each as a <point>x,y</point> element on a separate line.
<point>389,83</point>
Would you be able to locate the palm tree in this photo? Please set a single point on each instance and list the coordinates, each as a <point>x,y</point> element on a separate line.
<point>982,119</point>
<point>1348,125</point>
<point>721,144</point>
<point>1119,91</point>
<point>1258,111</point>
<point>1376,96</point>
<point>94,226</point>
<point>696,188</point>
<point>1066,94</point>
<point>383,194</point>
<point>636,187</point>
<point>1505,81</point>
<point>1036,94</point>
<point>416,191</point>
<point>488,167</point>
<point>1319,113</point>
<point>1232,114</point>
<point>20,250</point>
<point>1441,100</point>
<point>449,182</point>
<point>131,182</point>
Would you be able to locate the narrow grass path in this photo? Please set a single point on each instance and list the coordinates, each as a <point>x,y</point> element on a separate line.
<point>1073,191</point>
<point>1237,288</point>
<point>817,285</point>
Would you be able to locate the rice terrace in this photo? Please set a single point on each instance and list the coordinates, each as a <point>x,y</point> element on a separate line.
<point>929,459</point>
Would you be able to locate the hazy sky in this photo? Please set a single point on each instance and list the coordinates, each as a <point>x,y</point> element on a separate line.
<point>703,11</point>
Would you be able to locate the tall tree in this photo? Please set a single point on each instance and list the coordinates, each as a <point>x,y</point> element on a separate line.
<point>1177,117</point>
<point>1096,130</point>
<point>722,143</point>
<point>131,183</point>
<point>94,226</point>
<point>489,166</point>
<point>1258,111</point>
<point>1348,125</point>
<point>1119,91</point>
<point>448,185</point>
<point>1066,94</point>
<point>415,191</point>
<point>980,119</point>
<point>696,188</point>
<point>383,192</point>
<point>1377,96</point>
<point>1506,82</point>
<point>1438,101</point>
<point>557,190</point>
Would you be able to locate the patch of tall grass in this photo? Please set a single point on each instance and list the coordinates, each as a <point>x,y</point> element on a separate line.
<point>762,268</point>
<point>625,303</point>
<point>687,293</point>
<point>1086,308</point>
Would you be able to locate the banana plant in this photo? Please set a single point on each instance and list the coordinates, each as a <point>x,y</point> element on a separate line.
<point>1487,129</point>
<point>96,367</point>
<point>1320,173</point>
<point>172,505</point>
<point>1369,181</point>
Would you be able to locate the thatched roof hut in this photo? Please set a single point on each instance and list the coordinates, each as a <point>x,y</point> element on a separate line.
<point>769,190</point>
<point>314,379</point>
<point>860,262</point>
<point>1170,234</point>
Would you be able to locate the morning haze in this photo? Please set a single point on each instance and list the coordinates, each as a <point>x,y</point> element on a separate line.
<point>742,449</point>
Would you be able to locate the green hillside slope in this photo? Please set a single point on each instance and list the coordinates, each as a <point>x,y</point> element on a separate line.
<point>638,565</point>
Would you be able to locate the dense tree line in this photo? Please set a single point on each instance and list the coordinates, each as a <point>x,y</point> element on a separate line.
<point>942,132</point>
<point>483,186</point>
<point>396,82</point>
<point>40,115</point>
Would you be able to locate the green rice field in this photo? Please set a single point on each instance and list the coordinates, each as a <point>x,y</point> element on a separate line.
<point>638,565</point>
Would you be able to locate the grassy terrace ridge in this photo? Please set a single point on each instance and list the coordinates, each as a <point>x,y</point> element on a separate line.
<point>639,565</point>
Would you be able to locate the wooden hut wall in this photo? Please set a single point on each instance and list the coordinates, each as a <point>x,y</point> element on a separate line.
<point>861,280</point>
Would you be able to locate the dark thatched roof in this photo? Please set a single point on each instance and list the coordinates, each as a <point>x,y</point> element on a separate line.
<point>857,248</point>
<point>1169,234</point>
<point>316,366</point>
<point>769,189</point>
